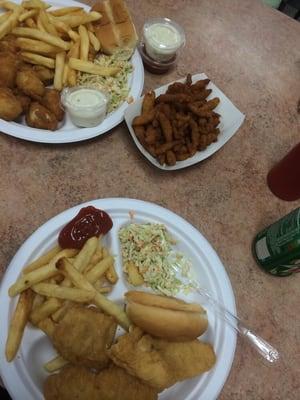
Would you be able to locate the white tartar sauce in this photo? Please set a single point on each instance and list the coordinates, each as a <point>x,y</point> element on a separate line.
<point>87,107</point>
<point>162,39</point>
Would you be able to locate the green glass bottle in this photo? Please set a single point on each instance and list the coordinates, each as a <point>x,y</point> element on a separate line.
<point>277,248</point>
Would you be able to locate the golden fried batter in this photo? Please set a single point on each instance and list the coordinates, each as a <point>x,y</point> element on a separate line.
<point>79,383</point>
<point>8,69</point>
<point>51,101</point>
<point>83,335</point>
<point>10,106</point>
<point>39,117</point>
<point>30,84</point>
<point>160,363</point>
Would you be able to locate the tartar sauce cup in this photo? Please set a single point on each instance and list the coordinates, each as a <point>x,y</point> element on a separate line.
<point>86,106</point>
<point>162,39</point>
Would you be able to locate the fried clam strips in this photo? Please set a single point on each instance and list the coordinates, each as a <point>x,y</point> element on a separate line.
<point>40,117</point>
<point>83,335</point>
<point>10,106</point>
<point>113,383</point>
<point>160,363</point>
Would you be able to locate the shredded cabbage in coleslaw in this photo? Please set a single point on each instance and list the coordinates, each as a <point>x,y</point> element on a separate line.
<point>150,248</point>
<point>116,86</point>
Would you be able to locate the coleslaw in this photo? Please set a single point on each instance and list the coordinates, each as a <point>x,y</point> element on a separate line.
<point>151,248</point>
<point>116,86</point>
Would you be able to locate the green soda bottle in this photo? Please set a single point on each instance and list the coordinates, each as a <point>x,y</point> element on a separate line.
<point>277,248</point>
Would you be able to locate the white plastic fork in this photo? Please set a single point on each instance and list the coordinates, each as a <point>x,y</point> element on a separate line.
<point>265,349</point>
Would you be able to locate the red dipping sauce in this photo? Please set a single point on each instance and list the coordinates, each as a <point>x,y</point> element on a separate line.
<point>284,178</point>
<point>88,222</point>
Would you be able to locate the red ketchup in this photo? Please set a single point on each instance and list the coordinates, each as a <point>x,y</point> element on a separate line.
<point>88,222</point>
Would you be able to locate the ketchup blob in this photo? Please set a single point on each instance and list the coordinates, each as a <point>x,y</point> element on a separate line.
<point>89,222</point>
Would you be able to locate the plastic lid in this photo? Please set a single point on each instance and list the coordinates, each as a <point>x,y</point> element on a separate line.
<point>158,40</point>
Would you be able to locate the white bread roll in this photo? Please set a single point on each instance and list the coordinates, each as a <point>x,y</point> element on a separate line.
<point>115,29</point>
<point>166,317</point>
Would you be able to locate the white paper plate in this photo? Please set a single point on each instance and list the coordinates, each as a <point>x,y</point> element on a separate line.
<point>24,376</point>
<point>231,120</point>
<point>69,132</point>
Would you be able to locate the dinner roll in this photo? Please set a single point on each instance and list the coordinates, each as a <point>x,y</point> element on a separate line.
<point>166,317</point>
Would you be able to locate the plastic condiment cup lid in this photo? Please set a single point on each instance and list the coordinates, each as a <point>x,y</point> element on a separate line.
<point>168,23</point>
<point>69,90</point>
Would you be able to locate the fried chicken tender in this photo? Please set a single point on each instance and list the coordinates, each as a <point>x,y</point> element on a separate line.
<point>39,117</point>
<point>51,101</point>
<point>83,335</point>
<point>10,106</point>
<point>160,363</point>
<point>78,383</point>
<point>8,69</point>
<point>30,84</point>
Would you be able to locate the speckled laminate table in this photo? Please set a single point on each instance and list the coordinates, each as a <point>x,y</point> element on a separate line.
<point>253,54</point>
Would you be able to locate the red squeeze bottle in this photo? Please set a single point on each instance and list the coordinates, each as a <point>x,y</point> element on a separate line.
<point>284,178</point>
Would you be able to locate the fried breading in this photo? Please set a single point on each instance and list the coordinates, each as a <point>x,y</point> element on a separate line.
<point>30,84</point>
<point>83,335</point>
<point>40,117</point>
<point>51,101</point>
<point>160,363</point>
<point>10,106</point>
<point>8,69</point>
<point>109,384</point>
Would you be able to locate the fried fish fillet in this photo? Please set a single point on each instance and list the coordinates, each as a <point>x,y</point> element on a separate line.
<point>78,383</point>
<point>159,363</point>
<point>10,106</point>
<point>83,335</point>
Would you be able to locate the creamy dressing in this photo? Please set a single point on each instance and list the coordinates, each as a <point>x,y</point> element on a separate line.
<point>87,107</point>
<point>162,38</point>
<point>86,98</point>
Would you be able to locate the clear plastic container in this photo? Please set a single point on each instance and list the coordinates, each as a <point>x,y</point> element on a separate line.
<point>86,106</point>
<point>162,39</point>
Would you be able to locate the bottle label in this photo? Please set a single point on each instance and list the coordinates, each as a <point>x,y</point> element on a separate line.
<point>277,247</point>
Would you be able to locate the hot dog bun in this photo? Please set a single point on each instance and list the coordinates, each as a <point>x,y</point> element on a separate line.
<point>166,317</point>
<point>115,29</point>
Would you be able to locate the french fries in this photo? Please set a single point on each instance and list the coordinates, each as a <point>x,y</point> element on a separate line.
<point>30,279</point>
<point>44,36</point>
<point>99,300</point>
<point>65,11</point>
<point>27,14</point>
<point>82,19</point>
<point>56,363</point>
<point>36,46</point>
<point>8,25</point>
<point>44,310</point>
<point>35,4</point>
<point>17,324</point>
<point>46,23</point>
<point>64,293</point>
<point>84,42</point>
<point>87,66</point>
<point>36,59</point>
<point>59,70</point>
<point>43,260</point>
<point>94,41</point>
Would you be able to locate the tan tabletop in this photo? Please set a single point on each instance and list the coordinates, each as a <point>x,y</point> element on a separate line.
<point>252,53</point>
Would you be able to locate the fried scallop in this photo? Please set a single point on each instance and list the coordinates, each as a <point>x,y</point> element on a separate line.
<point>8,69</point>
<point>40,117</point>
<point>51,101</point>
<point>30,84</point>
<point>10,106</point>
